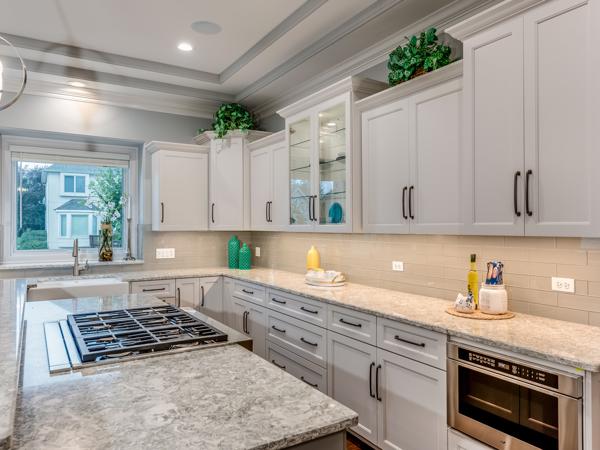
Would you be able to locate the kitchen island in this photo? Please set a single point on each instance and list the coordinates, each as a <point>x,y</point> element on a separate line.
<point>223,397</point>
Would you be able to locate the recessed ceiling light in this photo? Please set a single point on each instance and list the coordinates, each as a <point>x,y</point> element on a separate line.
<point>331,124</point>
<point>205,27</point>
<point>185,47</point>
<point>77,84</point>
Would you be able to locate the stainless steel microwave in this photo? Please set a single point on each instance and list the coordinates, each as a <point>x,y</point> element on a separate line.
<point>513,405</point>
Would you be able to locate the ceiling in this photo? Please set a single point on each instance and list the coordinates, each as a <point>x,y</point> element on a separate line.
<point>265,49</point>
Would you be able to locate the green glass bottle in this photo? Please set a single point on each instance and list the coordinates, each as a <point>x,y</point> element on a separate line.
<point>245,257</point>
<point>233,252</point>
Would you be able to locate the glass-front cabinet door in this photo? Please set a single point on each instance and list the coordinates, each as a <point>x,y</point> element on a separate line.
<point>332,169</point>
<point>300,162</point>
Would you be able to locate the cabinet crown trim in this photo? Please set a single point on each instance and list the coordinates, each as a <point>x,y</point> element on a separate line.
<point>154,146</point>
<point>485,19</point>
<point>359,86</point>
<point>410,87</point>
<point>250,135</point>
<point>268,140</point>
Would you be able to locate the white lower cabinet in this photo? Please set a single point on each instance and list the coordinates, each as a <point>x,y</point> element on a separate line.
<point>312,374</point>
<point>187,292</point>
<point>401,403</point>
<point>211,297</point>
<point>251,319</point>
<point>228,302</point>
<point>458,441</point>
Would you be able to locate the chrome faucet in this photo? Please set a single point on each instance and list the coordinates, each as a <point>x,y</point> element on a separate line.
<point>77,268</point>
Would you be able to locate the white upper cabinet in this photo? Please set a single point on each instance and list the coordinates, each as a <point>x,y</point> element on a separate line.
<point>269,183</point>
<point>530,104</point>
<point>411,150</point>
<point>321,155</point>
<point>229,193</point>
<point>179,186</point>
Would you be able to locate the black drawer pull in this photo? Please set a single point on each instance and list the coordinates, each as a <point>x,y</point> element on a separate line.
<point>281,330</point>
<point>281,302</point>
<point>309,310</point>
<point>371,380</point>
<point>314,344</point>
<point>418,344</point>
<point>377,382</point>
<point>248,292</point>
<point>357,325</point>
<point>309,383</point>
<point>281,366</point>
<point>153,289</point>
<point>515,194</point>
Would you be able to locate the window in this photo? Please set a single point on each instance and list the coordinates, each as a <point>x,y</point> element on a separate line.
<point>48,189</point>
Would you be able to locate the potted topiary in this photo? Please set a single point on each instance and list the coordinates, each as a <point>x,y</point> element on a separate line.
<point>420,55</point>
<point>231,116</point>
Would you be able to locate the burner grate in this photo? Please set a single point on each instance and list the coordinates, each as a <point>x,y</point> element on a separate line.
<point>116,333</point>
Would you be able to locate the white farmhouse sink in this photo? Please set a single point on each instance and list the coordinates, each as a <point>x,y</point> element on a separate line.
<point>81,287</point>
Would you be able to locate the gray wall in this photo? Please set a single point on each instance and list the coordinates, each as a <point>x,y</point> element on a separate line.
<point>272,123</point>
<point>57,115</point>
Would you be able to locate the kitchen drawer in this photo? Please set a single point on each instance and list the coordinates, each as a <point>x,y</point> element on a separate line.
<point>413,342</point>
<point>301,338</point>
<point>354,324</point>
<point>158,288</point>
<point>251,292</point>
<point>301,308</point>
<point>310,373</point>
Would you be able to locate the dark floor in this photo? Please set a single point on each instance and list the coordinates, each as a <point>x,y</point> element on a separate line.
<point>353,443</point>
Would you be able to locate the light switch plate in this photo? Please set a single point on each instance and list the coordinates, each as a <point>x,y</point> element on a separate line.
<point>563,284</point>
<point>165,253</point>
<point>257,252</point>
<point>398,266</point>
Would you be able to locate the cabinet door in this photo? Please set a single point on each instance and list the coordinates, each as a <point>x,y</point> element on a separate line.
<point>261,178</point>
<point>300,138</point>
<point>412,411</point>
<point>188,292</point>
<point>561,116</point>
<point>251,319</point>
<point>385,168</point>
<point>179,191</point>
<point>351,372</point>
<point>226,209</point>
<point>279,211</point>
<point>228,314</point>
<point>493,131</point>
<point>435,152</point>
<point>211,298</point>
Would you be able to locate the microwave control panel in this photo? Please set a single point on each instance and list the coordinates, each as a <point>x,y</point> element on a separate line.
<point>510,368</point>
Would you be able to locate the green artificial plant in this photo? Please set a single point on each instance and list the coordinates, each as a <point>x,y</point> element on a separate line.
<point>420,54</point>
<point>232,116</point>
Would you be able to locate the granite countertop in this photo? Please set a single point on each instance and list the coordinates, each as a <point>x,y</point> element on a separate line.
<point>223,397</point>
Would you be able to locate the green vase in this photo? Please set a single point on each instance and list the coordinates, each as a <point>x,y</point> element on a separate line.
<point>233,252</point>
<point>245,257</point>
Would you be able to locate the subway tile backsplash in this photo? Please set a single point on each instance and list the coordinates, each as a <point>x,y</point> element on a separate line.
<point>437,265</point>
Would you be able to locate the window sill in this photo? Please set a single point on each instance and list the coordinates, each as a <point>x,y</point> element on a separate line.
<point>66,264</point>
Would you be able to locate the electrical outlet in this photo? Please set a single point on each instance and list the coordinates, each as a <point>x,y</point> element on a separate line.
<point>165,253</point>
<point>257,252</point>
<point>563,284</point>
<point>398,266</point>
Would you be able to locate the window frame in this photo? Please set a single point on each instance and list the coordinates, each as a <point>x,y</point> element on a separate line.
<point>66,151</point>
<point>65,193</point>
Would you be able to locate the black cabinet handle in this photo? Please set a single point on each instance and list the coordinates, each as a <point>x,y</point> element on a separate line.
<point>310,208</point>
<point>404,189</point>
<point>410,196</point>
<point>162,212</point>
<point>357,325</point>
<point>314,207</point>
<point>248,292</point>
<point>308,382</point>
<point>377,382</point>
<point>281,302</point>
<point>371,380</point>
<point>245,322</point>
<point>269,214</point>
<point>417,344</point>
<point>178,297</point>
<point>202,298</point>
<point>309,310</point>
<point>153,289</point>
<point>267,211</point>
<point>281,366</point>
<point>528,174</point>
<point>212,213</point>
<point>515,196</point>
<point>281,330</point>
<point>308,342</point>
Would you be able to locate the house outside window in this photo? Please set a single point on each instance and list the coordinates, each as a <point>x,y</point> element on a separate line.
<point>46,185</point>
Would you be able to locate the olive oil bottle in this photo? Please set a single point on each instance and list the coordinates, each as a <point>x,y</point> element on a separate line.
<point>473,280</point>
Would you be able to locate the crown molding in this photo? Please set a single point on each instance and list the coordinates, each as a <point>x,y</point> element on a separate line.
<point>451,14</point>
<point>402,90</point>
<point>273,138</point>
<point>250,136</point>
<point>154,146</point>
<point>489,17</point>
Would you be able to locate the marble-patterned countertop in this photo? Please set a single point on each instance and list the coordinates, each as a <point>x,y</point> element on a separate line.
<point>223,397</point>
